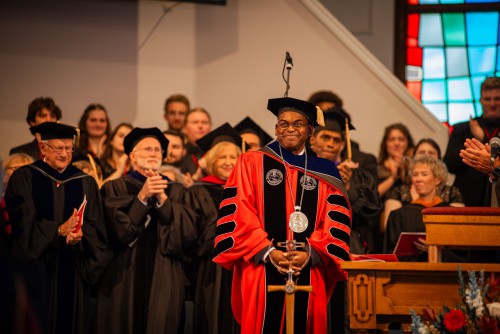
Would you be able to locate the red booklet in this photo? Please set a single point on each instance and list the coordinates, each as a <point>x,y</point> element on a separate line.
<point>374,257</point>
<point>80,212</point>
<point>405,245</point>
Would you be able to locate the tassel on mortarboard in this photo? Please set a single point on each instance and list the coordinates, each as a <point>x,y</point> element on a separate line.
<point>77,138</point>
<point>320,119</point>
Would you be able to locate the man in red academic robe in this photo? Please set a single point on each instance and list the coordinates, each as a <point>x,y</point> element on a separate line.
<point>266,189</point>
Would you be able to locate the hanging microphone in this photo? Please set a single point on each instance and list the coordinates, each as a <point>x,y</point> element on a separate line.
<point>289,61</point>
<point>495,149</point>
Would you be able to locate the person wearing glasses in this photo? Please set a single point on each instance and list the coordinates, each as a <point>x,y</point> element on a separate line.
<point>281,194</point>
<point>143,289</point>
<point>57,225</point>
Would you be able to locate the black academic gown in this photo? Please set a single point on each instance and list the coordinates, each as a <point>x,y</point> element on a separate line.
<point>143,289</point>
<point>405,219</point>
<point>39,199</point>
<point>30,149</point>
<point>211,284</point>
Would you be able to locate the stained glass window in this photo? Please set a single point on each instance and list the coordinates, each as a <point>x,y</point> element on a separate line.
<point>451,47</point>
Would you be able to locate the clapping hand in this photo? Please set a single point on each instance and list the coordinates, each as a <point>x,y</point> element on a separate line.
<point>155,185</point>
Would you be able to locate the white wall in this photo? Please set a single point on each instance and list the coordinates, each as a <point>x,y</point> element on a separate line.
<point>166,61</point>
<point>225,58</point>
<point>77,52</point>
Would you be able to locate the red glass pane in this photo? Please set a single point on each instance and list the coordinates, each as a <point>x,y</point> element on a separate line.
<point>413,22</point>
<point>414,56</point>
<point>411,42</point>
<point>415,89</point>
<point>413,2</point>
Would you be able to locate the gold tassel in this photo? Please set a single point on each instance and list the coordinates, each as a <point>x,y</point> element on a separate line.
<point>320,119</point>
<point>98,176</point>
<point>243,146</point>
<point>77,139</point>
<point>348,140</point>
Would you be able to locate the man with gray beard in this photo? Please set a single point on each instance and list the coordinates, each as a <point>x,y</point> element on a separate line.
<point>143,289</point>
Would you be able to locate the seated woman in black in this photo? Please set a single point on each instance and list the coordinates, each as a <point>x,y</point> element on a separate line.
<point>427,174</point>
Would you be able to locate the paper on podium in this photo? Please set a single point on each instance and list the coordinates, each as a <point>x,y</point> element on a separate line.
<point>80,213</point>
<point>405,245</point>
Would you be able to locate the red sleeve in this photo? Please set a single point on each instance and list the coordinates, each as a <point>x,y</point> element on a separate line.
<point>332,236</point>
<point>240,233</point>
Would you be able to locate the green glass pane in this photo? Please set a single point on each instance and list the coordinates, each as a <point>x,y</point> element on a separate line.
<point>456,62</point>
<point>439,110</point>
<point>459,89</point>
<point>431,32</point>
<point>460,112</point>
<point>433,63</point>
<point>445,2</point>
<point>433,91</point>
<point>454,29</point>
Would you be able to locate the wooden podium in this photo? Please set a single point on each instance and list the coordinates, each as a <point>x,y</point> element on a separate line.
<point>381,293</point>
<point>466,227</point>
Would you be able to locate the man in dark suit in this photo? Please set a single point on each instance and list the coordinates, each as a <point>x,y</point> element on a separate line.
<point>40,110</point>
<point>474,185</point>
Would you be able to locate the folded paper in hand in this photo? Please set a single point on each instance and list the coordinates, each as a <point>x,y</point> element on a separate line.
<point>406,244</point>
<point>79,213</point>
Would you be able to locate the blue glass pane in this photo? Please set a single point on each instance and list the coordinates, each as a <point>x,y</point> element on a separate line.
<point>482,60</point>
<point>456,62</point>
<point>498,59</point>
<point>433,63</point>
<point>476,86</point>
<point>477,32</point>
<point>433,91</point>
<point>438,110</point>
<point>428,2</point>
<point>479,109</point>
<point>459,90</point>
<point>460,112</point>
<point>431,32</point>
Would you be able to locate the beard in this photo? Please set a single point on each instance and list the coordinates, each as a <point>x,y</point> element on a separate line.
<point>148,164</point>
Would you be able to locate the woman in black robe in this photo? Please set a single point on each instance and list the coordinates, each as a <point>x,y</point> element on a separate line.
<point>210,283</point>
<point>427,174</point>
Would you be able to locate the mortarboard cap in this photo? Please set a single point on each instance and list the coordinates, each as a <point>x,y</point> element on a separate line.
<point>247,125</point>
<point>307,109</point>
<point>335,121</point>
<point>137,134</point>
<point>225,132</point>
<point>53,130</point>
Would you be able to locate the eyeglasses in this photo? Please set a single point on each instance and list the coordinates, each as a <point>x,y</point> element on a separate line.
<point>59,149</point>
<point>150,150</point>
<point>296,125</point>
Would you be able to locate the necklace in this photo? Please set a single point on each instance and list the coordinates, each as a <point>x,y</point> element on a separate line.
<point>298,221</point>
